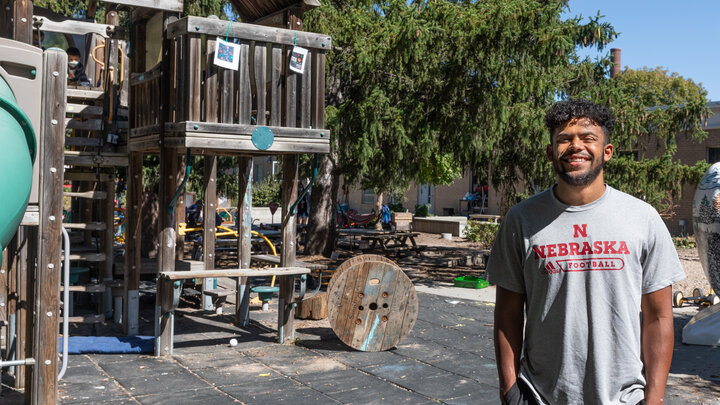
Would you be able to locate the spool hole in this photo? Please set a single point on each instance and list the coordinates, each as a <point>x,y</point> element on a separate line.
<point>373,306</point>
<point>361,308</point>
<point>385,305</point>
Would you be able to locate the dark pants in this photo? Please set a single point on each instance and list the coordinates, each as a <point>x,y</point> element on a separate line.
<point>519,394</point>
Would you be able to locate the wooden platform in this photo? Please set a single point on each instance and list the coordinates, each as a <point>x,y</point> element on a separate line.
<point>222,139</point>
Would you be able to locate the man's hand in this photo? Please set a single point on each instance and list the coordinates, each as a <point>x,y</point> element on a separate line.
<point>508,333</point>
<point>657,342</point>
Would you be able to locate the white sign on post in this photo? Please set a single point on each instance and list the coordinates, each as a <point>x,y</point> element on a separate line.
<point>227,54</point>
<point>297,59</point>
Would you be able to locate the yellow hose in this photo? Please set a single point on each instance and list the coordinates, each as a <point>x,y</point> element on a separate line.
<point>228,232</point>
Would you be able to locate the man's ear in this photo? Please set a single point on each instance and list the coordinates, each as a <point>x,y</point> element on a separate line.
<point>549,153</point>
<point>608,151</point>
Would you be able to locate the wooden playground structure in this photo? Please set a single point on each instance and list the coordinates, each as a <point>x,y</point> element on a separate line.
<point>154,89</point>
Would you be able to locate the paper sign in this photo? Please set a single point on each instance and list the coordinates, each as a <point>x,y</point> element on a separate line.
<point>227,54</point>
<point>297,59</point>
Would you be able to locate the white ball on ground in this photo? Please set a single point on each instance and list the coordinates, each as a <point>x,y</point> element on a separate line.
<point>233,342</point>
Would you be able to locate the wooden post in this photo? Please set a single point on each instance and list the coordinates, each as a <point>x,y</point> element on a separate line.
<point>286,310</point>
<point>166,253</point>
<point>131,283</point>
<point>133,198</point>
<point>210,181</point>
<point>168,182</point>
<point>245,174</point>
<point>16,18</point>
<point>26,290</point>
<point>47,283</point>
<point>209,207</point>
<point>108,242</point>
<point>180,204</point>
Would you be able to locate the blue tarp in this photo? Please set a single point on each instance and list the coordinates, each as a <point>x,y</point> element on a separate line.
<point>109,344</point>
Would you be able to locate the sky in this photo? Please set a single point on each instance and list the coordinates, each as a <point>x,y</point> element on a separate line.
<point>681,36</point>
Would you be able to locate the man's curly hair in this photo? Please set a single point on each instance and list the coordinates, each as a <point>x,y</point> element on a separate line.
<point>564,111</point>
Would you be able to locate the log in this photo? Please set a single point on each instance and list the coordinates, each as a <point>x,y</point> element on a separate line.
<point>314,307</point>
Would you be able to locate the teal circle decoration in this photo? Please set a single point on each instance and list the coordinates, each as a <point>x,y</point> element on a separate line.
<point>263,138</point>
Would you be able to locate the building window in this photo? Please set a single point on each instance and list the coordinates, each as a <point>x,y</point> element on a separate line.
<point>713,155</point>
<point>368,196</point>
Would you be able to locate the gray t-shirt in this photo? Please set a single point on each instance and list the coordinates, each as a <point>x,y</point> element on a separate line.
<point>583,270</point>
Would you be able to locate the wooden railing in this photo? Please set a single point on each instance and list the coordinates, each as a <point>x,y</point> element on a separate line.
<point>146,101</point>
<point>263,91</point>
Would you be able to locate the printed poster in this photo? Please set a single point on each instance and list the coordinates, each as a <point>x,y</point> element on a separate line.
<point>297,59</point>
<point>227,54</point>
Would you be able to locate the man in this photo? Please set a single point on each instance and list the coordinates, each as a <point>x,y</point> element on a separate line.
<point>578,263</point>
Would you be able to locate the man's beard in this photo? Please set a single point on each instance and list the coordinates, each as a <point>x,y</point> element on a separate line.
<point>581,180</point>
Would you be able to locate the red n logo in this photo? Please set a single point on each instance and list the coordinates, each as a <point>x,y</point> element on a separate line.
<point>580,230</point>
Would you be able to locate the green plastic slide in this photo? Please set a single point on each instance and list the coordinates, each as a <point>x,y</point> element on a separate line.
<point>17,145</point>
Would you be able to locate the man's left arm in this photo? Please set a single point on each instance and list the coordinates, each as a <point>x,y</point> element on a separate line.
<point>657,342</point>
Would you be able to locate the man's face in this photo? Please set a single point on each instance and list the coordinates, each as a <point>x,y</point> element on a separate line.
<point>578,151</point>
<point>73,58</point>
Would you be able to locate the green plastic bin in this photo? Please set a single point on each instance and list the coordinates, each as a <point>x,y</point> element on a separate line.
<point>470,282</point>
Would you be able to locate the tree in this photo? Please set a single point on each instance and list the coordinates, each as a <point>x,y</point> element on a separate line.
<point>653,107</point>
<point>415,84</point>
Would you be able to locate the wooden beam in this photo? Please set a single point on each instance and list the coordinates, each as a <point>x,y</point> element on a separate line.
<point>107,243</point>
<point>26,289</point>
<point>131,277</point>
<point>318,94</point>
<point>191,128</point>
<point>187,275</point>
<point>231,145</point>
<point>249,32</point>
<point>210,183</point>
<point>75,27</point>
<point>259,73</point>
<point>166,254</point>
<point>22,21</point>
<point>244,85</point>
<point>286,311</point>
<point>245,175</point>
<point>167,5</point>
<point>47,306</point>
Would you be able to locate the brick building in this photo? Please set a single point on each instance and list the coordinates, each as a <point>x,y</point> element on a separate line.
<point>689,153</point>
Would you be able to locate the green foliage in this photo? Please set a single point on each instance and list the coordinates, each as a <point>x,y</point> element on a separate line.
<point>423,210</point>
<point>684,242</point>
<point>482,232</point>
<point>226,180</point>
<point>657,181</point>
<point>421,89</point>
<point>266,192</point>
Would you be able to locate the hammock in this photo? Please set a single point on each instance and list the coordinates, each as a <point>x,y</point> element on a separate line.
<point>360,219</point>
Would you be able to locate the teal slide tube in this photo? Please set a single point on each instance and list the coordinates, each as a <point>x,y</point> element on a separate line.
<point>17,146</point>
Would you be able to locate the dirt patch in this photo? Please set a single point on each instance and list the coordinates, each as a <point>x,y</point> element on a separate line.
<point>442,260</point>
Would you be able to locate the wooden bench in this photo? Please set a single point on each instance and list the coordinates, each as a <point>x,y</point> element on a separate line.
<point>321,271</point>
<point>170,287</point>
<point>485,217</point>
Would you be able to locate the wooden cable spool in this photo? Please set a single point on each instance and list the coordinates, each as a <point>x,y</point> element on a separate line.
<point>353,261</point>
<point>372,304</point>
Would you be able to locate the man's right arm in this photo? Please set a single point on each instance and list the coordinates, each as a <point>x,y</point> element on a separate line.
<point>508,333</point>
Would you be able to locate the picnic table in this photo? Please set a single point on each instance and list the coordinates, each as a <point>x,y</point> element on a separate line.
<point>387,241</point>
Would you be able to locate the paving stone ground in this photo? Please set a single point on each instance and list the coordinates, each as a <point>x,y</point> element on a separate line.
<point>448,358</point>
